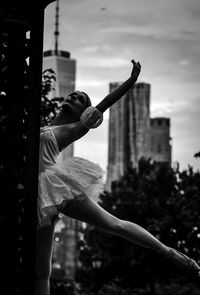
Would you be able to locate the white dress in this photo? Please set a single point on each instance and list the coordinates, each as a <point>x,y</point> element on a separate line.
<point>61,181</point>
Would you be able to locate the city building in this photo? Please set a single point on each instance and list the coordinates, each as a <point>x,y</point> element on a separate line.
<point>67,231</point>
<point>65,71</point>
<point>160,147</point>
<point>65,259</point>
<point>133,134</point>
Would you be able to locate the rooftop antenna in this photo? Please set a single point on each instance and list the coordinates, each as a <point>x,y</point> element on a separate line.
<point>56,32</point>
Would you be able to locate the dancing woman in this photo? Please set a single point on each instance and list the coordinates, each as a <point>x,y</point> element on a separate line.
<point>66,186</point>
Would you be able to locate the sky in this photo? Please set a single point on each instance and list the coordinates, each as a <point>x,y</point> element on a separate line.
<point>164,36</point>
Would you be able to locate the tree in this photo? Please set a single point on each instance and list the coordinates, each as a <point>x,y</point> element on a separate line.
<point>197,155</point>
<point>163,200</point>
<point>49,106</point>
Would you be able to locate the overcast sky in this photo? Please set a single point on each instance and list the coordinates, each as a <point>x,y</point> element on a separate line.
<point>103,36</point>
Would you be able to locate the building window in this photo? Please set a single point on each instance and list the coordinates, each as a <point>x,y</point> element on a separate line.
<point>159,148</point>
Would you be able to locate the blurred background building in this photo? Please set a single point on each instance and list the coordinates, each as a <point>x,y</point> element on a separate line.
<point>67,231</point>
<point>65,70</point>
<point>65,261</point>
<point>133,134</point>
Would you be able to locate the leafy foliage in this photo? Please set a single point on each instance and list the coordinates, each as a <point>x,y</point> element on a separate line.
<point>197,155</point>
<point>50,106</point>
<point>164,201</point>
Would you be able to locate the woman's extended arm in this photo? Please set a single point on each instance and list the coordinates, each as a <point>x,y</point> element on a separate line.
<point>112,97</point>
<point>92,117</point>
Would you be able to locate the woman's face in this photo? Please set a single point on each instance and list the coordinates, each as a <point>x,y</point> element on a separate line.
<point>75,103</point>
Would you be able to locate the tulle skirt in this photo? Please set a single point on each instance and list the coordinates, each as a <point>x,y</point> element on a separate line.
<point>69,179</point>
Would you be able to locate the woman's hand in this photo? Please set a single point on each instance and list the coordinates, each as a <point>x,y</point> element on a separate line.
<point>91,117</point>
<point>136,69</point>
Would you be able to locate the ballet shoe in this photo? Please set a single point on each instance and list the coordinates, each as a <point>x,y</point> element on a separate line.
<point>182,261</point>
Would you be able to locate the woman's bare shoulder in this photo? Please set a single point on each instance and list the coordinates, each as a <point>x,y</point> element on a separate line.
<point>67,133</point>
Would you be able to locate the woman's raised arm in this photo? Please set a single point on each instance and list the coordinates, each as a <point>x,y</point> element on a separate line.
<point>114,96</point>
<point>92,117</point>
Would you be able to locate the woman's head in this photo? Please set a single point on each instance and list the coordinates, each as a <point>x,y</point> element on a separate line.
<point>75,103</point>
<point>88,100</point>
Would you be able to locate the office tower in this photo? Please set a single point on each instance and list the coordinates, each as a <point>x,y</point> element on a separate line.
<point>133,134</point>
<point>160,147</point>
<point>65,70</point>
<point>128,130</point>
<point>65,258</point>
<point>65,247</point>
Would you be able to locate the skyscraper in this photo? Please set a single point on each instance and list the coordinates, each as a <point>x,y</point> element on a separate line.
<point>65,248</point>
<point>133,134</point>
<point>160,147</point>
<point>65,70</point>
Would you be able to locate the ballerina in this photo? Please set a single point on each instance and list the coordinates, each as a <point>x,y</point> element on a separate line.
<point>66,186</point>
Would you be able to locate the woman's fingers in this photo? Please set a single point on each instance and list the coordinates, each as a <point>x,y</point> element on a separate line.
<point>133,61</point>
<point>137,64</point>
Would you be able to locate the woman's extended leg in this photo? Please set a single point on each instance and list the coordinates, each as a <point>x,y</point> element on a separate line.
<point>90,212</point>
<point>44,248</point>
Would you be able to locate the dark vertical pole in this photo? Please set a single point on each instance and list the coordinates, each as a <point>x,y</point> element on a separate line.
<point>32,147</point>
<point>20,95</point>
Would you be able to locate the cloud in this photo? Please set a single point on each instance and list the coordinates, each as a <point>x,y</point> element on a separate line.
<point>104,62</point>
<point>184,62</point>
<point>163,35</point>
<point>94,145</point>
<point>90,49</point>
<point>89,83</point>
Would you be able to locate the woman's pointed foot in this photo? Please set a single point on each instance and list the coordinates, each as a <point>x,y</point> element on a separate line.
<point>181,260</point>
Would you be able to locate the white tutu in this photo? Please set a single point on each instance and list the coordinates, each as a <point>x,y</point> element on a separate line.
<point>68,179</point>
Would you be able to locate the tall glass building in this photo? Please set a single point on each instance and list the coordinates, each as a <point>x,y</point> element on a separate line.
<point>67,231</point>
<point>133,134</point>
<point>65,70</point>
